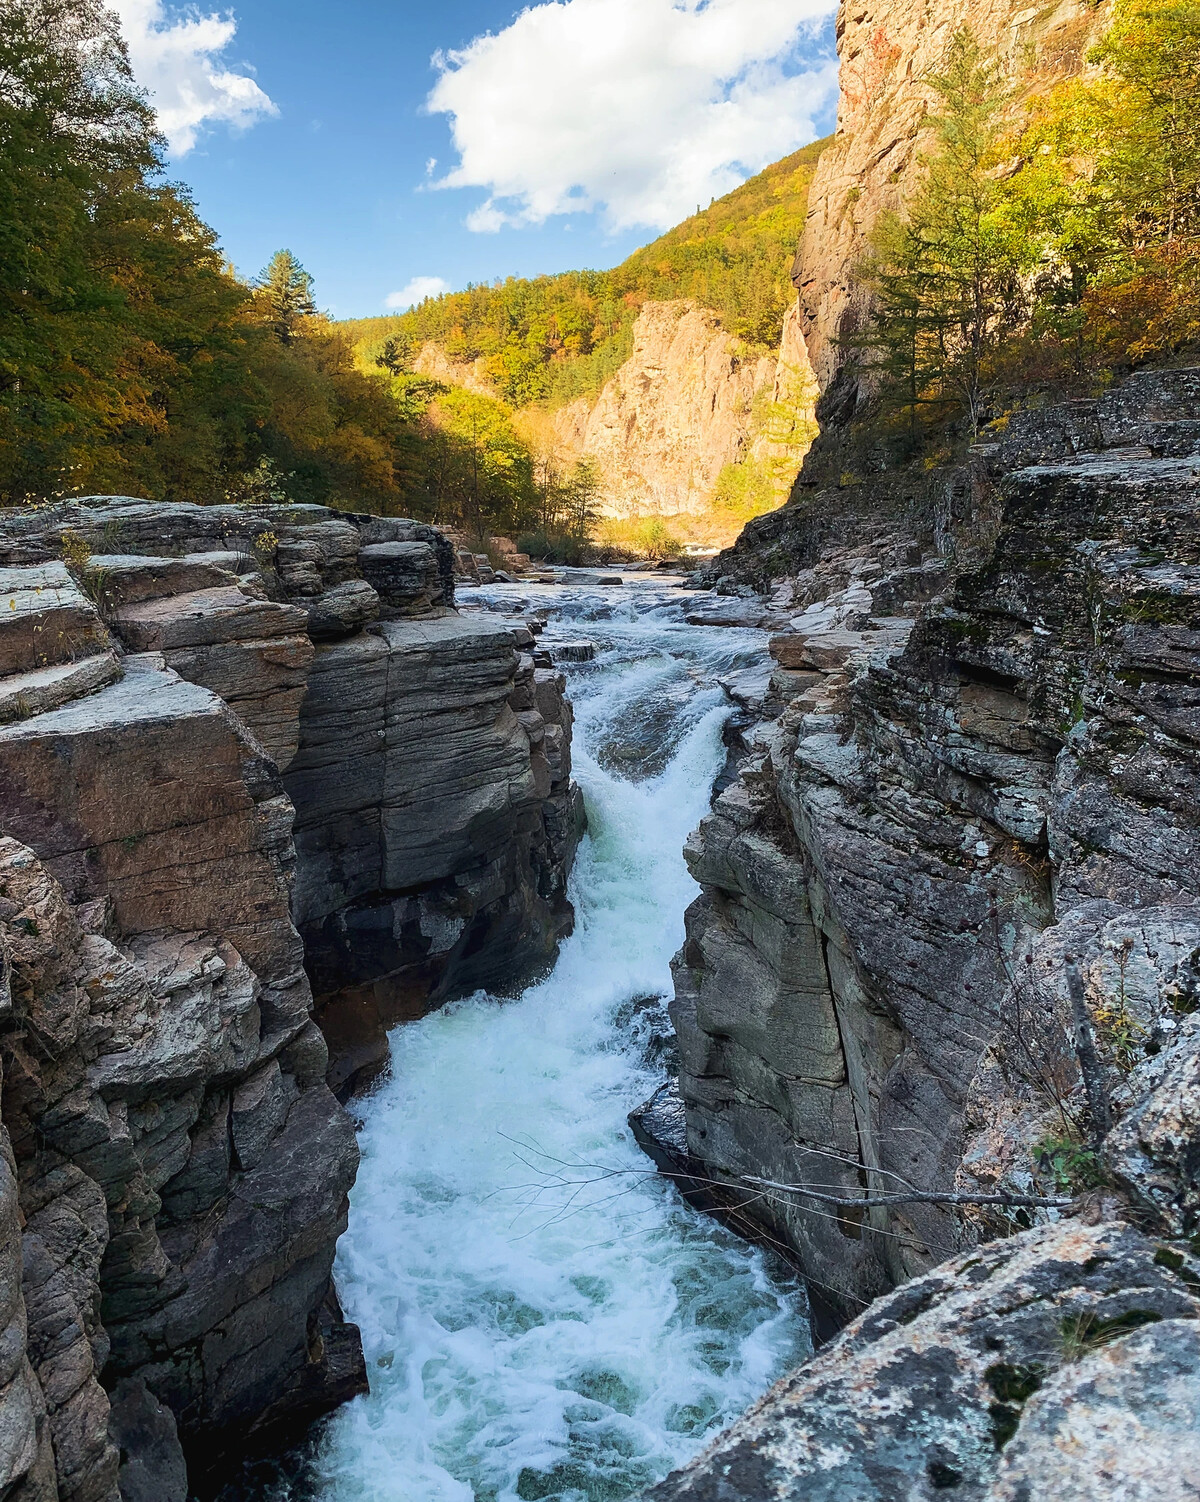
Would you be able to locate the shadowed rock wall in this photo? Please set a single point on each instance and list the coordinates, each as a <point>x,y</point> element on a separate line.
<point>174,1168</point>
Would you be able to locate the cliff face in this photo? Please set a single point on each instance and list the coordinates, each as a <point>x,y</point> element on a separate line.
<point>949,945</point>
<point>686,403</point>
<point>885,50</point>
<point>175,1168</point>
<point>436,822</point>
<point>957,796</point>
<point>679,410</point>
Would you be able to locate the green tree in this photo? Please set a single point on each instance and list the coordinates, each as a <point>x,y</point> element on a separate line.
<point>950,274</point>
<point>1112,164</point>
<point>1147,130</point>
<point>286,291</point>
<point>582,497</point>
<point>395,355</point>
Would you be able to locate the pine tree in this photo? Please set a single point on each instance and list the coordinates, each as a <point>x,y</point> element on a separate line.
<point>582,496</point>
<point>286,290</point>
<point>950,274</point>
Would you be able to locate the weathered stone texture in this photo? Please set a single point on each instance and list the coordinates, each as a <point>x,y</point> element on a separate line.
<point>436,824</point>
<point>1053,1364</point>
<point>874,993</point>
<point>949,943</point>
<point>174,1168</point>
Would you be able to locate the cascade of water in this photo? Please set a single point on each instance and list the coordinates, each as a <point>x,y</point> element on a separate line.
<point>542,1317</point>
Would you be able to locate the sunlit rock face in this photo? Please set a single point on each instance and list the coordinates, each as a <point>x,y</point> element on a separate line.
<point>675,414</point>
<point>175,1167</point>
<point>887,50</point>
<point>688,401</point>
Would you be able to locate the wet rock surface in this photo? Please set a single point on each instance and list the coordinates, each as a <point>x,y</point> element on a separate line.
<point>174,1168</point>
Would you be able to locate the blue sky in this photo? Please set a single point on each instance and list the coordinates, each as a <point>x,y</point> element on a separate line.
<point>565,133</point>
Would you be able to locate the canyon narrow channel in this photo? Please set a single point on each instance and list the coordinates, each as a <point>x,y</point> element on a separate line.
<point>541,1314</point>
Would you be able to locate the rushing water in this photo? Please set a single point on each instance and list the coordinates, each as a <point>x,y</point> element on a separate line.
<point>542,1316</point>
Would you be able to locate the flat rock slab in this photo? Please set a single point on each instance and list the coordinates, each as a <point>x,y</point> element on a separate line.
<point>45,618</point>
<point>827,651</point>
<point>748,687</point>
<point>26,694</point>
<point>119,579</point>
<point>205,617</point>
<point>721,610</point>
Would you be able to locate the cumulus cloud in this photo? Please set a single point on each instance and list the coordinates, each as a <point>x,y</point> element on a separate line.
<point>638,108</point>
<point>177,60</point>
<point>417,291</point>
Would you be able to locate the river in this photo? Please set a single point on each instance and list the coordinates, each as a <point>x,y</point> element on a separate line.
<point>542,1316</point>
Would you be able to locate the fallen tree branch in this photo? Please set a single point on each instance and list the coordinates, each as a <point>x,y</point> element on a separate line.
<point>932,1197</point>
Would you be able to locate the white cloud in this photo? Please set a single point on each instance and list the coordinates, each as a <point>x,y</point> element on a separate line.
<point>177,60</point>
<point>417,291</point>
<point>639,108</point>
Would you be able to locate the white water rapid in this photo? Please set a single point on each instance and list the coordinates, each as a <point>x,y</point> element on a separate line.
<point>527,1339</point>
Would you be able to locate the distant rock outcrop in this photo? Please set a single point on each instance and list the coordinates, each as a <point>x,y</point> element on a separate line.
<point>684,405</point>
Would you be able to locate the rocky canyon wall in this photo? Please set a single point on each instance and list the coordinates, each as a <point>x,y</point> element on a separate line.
<point>886,51</point>
<point>227,736</point>
<point>685,404</point>
<point>941,984</point>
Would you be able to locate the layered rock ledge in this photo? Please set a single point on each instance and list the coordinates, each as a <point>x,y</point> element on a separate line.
<point>942,977</point>
<point>242,751</point>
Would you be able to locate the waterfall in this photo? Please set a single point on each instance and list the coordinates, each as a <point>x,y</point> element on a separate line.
<point>542,1316</point>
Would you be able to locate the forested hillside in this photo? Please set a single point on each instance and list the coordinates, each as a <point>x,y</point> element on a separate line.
<point>131,359</point>
<point>552,338</point>
<point>1050,246</point>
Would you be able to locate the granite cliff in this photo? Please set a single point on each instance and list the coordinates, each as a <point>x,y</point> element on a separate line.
<point>886,50</point>
<point>688,401</point>
<point>258,778</point>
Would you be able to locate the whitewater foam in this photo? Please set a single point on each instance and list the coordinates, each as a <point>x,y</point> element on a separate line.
<point>542,1316</point>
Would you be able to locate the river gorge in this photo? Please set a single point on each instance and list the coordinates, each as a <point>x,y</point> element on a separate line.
<point>477,1030</point>
<point>541,1314</point>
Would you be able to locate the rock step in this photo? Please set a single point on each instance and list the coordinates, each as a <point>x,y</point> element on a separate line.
<point>1142,500</point>
<point>1166,440</point>
<point>573,651</point>
<point>25,694</point>
<point>45,618</point>
<point>204,617</point>
<point>117,579</point>
<point>1148,397</point>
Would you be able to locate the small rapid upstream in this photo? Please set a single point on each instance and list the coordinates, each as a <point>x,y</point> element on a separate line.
<point>543,1318</point>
